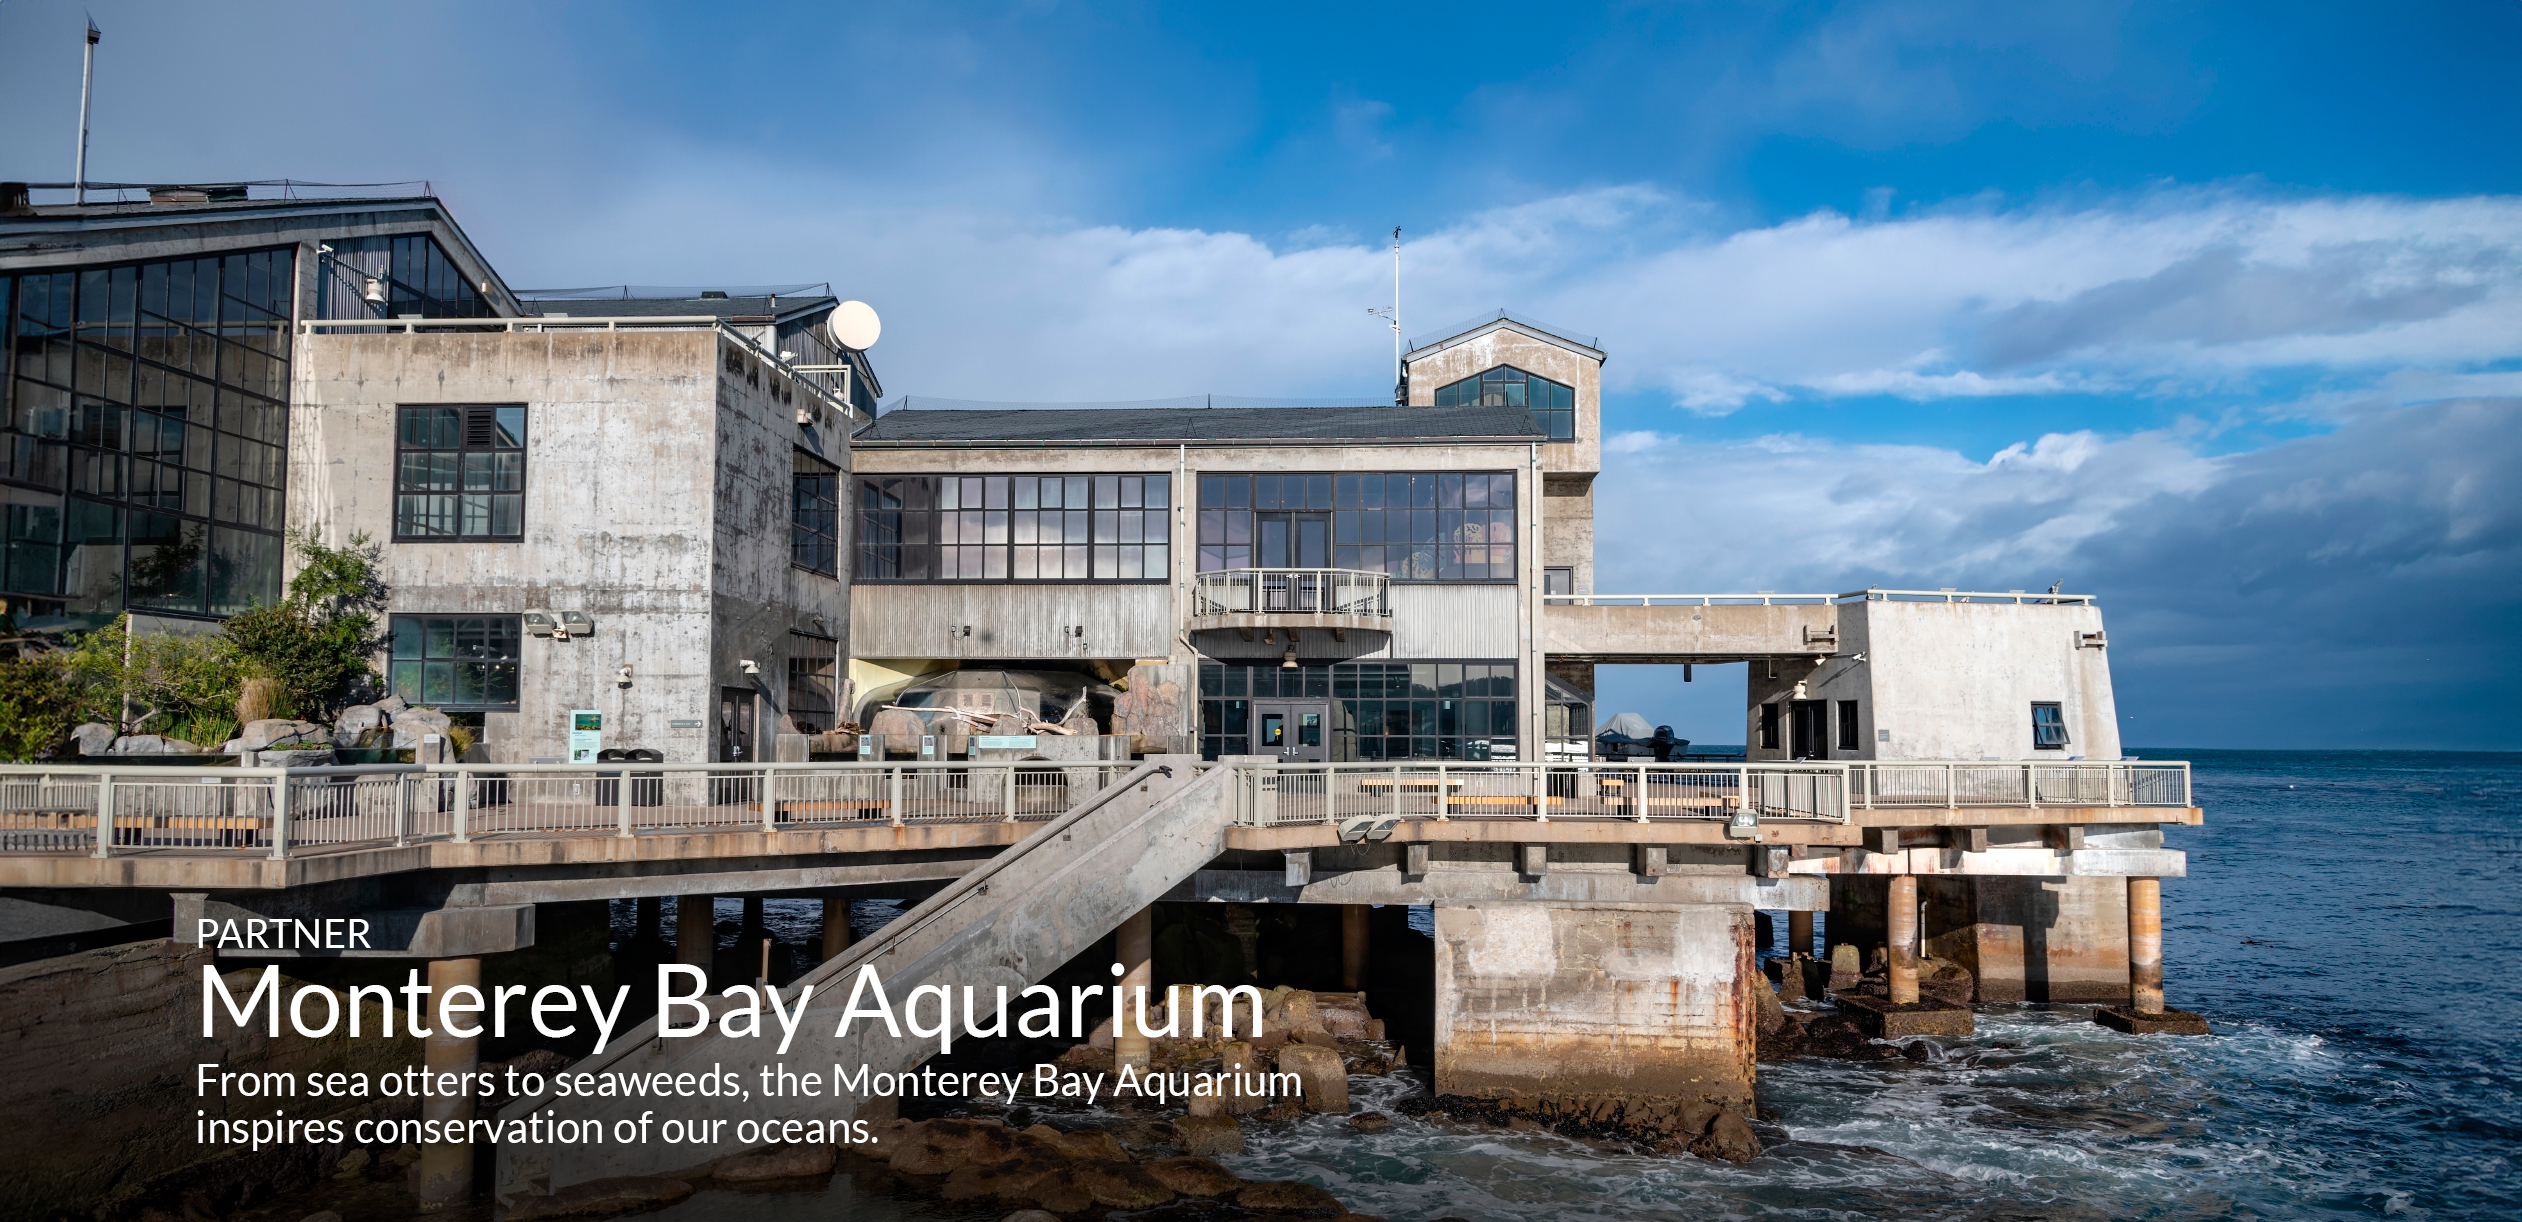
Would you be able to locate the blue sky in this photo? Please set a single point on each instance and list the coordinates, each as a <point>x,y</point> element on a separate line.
<point>2213,310</point>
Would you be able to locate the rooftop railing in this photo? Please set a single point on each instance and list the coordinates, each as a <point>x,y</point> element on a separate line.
<point>1293,592</point>
<point>1771,598</point>
<point>815,382</point>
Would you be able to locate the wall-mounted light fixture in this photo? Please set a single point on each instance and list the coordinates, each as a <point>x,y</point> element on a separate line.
<point>622,677</point>
<point>749,666</point>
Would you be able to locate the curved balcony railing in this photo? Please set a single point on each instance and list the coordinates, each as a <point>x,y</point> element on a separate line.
<point>1293,592</point>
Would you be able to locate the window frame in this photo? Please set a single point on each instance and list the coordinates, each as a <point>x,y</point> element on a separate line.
<point>1544,415</point>
<point>1566,574</point>
<point>1850,727</point>
<point>913,525</point>
<point>1230,529</point>
<point>1769,726</point>
<point>2058,710</point>
<point>515,661</point>
<point>800,532</point>
<point>464,446</point>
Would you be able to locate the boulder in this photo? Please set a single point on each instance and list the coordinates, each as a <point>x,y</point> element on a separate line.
<point>1695,1118</point>
<point>1289,1196</point>
<point>1193,1176</point>
<point>1297,1011</point>
<point>392,705</point>
<point>319,758</point>
<point>1235,1057</point>
<point>1064,1192</point>
<point>1031,1215</point>
<point>776,1163</point>
<point>898,729</point>
<point>1122,1185</point>
<point>1729,1138</point>
<point>411,725</point>
<point>1208,1135</point>
<point>1791,976</point>
<point>352,1165</point>
<point>356,720</point>
<point>1845,970</point>
<point>322,1215</point>
<point>606,1197</point>
<point>1092,1145</point>
<point>139,744</point>
<point>1370,1122</point>
<point>177,746</point>
<point>1320,1072</point>
<point>94,738</point>
<point>1772,1013</point>
<point>884,1138</point>
<point>274,732</point>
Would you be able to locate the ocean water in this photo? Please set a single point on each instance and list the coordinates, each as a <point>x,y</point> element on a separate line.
<point>2349,926</point>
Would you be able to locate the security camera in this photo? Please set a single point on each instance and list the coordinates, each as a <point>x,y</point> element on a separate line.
<point>622,677</point>
<point>750,667</point>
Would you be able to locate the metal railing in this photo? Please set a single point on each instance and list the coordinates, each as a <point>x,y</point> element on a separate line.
<point>1292,591</point>
<point>1272,794</point>
<point>103,810</point>
<point>814,384</point>
<point>2034,784</point>
<point>1771,598</point>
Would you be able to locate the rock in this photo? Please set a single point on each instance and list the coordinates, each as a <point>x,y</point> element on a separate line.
<point>234,746</point>
<point>922,1154</point>
<point>1193,1176</point>
<point>1844,968</point>
<point>777,1163</point>
<point>94,738</point>
<point>613,1196</point>
<point>354,721</point>
<point>320,758</point>
<point>139,744</point>
<point>322,1215</point>
<point>1031,1215</point>
<point>1288,1195</point>
<point>282,732</point>
<point>1235,1057</point>
<point>1089,1145</point>
<point>1694,1119</point>
<point>1324,1079</point>
<point>1295,1012</point>
<point>411,725</point>
<point>1122,1185</point>
<point>884,1139</point>
<point>1730,1139</point>
<point>1208,1135</point>
<point>402,1156</point>
<point>1370,1122</point>
<point>1140,1135</point>
<point>1063,1192</point>
<point>352,1165</point>
<point>1772,1014</point>
<point>1791,976</point>
<point>392,705</point>
<point>898,729</point>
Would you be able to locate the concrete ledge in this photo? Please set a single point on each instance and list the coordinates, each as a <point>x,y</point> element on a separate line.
<point>1880,1019</point>
<point>2169,1022</point>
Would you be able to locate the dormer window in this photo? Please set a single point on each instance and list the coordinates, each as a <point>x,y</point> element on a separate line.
<point>1553,406</point>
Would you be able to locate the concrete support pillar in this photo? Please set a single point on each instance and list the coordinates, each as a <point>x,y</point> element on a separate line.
<point>1135,950</point>
<point>1900,930</point>
<point>835,927</point>
<point>446,1168</point>
<point>1799,932</point>
<point>2145,945</point>
<point>1353,946</point>
<point>696,930</point>
<point>646,926</point>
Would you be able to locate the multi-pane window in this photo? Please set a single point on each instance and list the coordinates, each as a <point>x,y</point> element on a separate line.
<point>2049,727</point>
<point>459,473</point>
<point>1553,405</point>
<point>143,435</point>
<point>1379,710</point>
<point>1015,528</point>
<point>814,692</point>
<point>401,276</point>
<point>455,661</point>
<point>814,515</point>
<point>1416,526</point>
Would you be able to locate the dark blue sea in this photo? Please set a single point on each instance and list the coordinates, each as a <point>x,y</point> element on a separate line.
<point>2352,926</point>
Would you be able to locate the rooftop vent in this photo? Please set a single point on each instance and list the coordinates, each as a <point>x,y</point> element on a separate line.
<point>196,195</point>
<point>13,199</point>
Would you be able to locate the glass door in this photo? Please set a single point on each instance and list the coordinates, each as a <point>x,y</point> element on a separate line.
<point>1296,731</point>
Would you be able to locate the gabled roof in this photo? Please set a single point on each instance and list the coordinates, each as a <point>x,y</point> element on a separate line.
<point>787,309</point>
<point>1201,426</point>
<point>1506,320</point>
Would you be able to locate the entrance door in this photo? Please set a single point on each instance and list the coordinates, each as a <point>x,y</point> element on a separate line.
<point>1296,731</point>
<point>1295,540</point>
<point>735,725</point>
<point>1807,734</point>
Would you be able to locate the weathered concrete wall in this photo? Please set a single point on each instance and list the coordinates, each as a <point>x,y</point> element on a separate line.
<point>1626,1000</point>
<point>97,1052</point>
<point>1508,343</point>
<point>1567,529</point>
<point>657,488</point>
<point>2023,939</point>
<point>1157,704</point>
<point>1011,622</point>
<point>1680,634</point>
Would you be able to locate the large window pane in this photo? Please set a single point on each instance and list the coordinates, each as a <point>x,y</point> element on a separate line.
<point>479,450</point>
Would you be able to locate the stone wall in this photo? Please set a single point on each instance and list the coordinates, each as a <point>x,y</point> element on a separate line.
<point>1631,1001</point>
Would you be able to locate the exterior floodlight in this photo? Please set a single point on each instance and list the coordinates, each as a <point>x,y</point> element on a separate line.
<point>1288,662</point>
<point>577,623</point>
<point>750,667</point>
<point>538,623</point>
<point>376,291</point>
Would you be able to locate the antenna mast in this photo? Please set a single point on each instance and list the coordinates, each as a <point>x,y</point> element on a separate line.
<point>87,76</point>
<point>1400,374</point>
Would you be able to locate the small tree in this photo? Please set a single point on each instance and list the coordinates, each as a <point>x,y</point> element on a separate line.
<point>315,644</point>
<point>134,680</point>
<point>39,706</point>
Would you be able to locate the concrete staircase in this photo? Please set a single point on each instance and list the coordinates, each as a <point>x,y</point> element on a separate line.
<point>1032,908</point>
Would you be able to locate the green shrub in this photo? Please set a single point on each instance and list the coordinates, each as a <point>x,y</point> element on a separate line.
<point>39,706</point>
<point>315,644</point>
<point>147,683</point>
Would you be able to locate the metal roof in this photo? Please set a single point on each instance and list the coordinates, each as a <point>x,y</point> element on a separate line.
<point>1591,344</point>
<point>1203,426</point>
<point>651,307</point>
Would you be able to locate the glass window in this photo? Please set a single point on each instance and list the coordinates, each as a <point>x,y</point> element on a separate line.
<point>1558,581</point>
<point>1769,727</point>
<point>1847,725</point>
<point>2049,727</point>
<point>1371,713</point>
<point>386,277</point>
<point>1415,526</point>
<point>151,395</point>
<point>459,473</point>
<point>1553,405</point>
<point>1015,528</point>
<point>814,522</point>
<point>455,661</point>
<point>813,682</point>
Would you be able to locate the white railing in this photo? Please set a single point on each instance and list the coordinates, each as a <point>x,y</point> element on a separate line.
<point>1769,598</point>
<point>2031,783</point>
<point>1270,794</point>
<point>1292,591</point>
<point>56,809</point>
<point>811,380</point>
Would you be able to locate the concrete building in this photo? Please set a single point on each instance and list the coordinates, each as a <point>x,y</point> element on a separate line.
<point>616,513</point>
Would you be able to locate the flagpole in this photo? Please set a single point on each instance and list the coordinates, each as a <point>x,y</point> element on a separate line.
<point>87,78</point>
